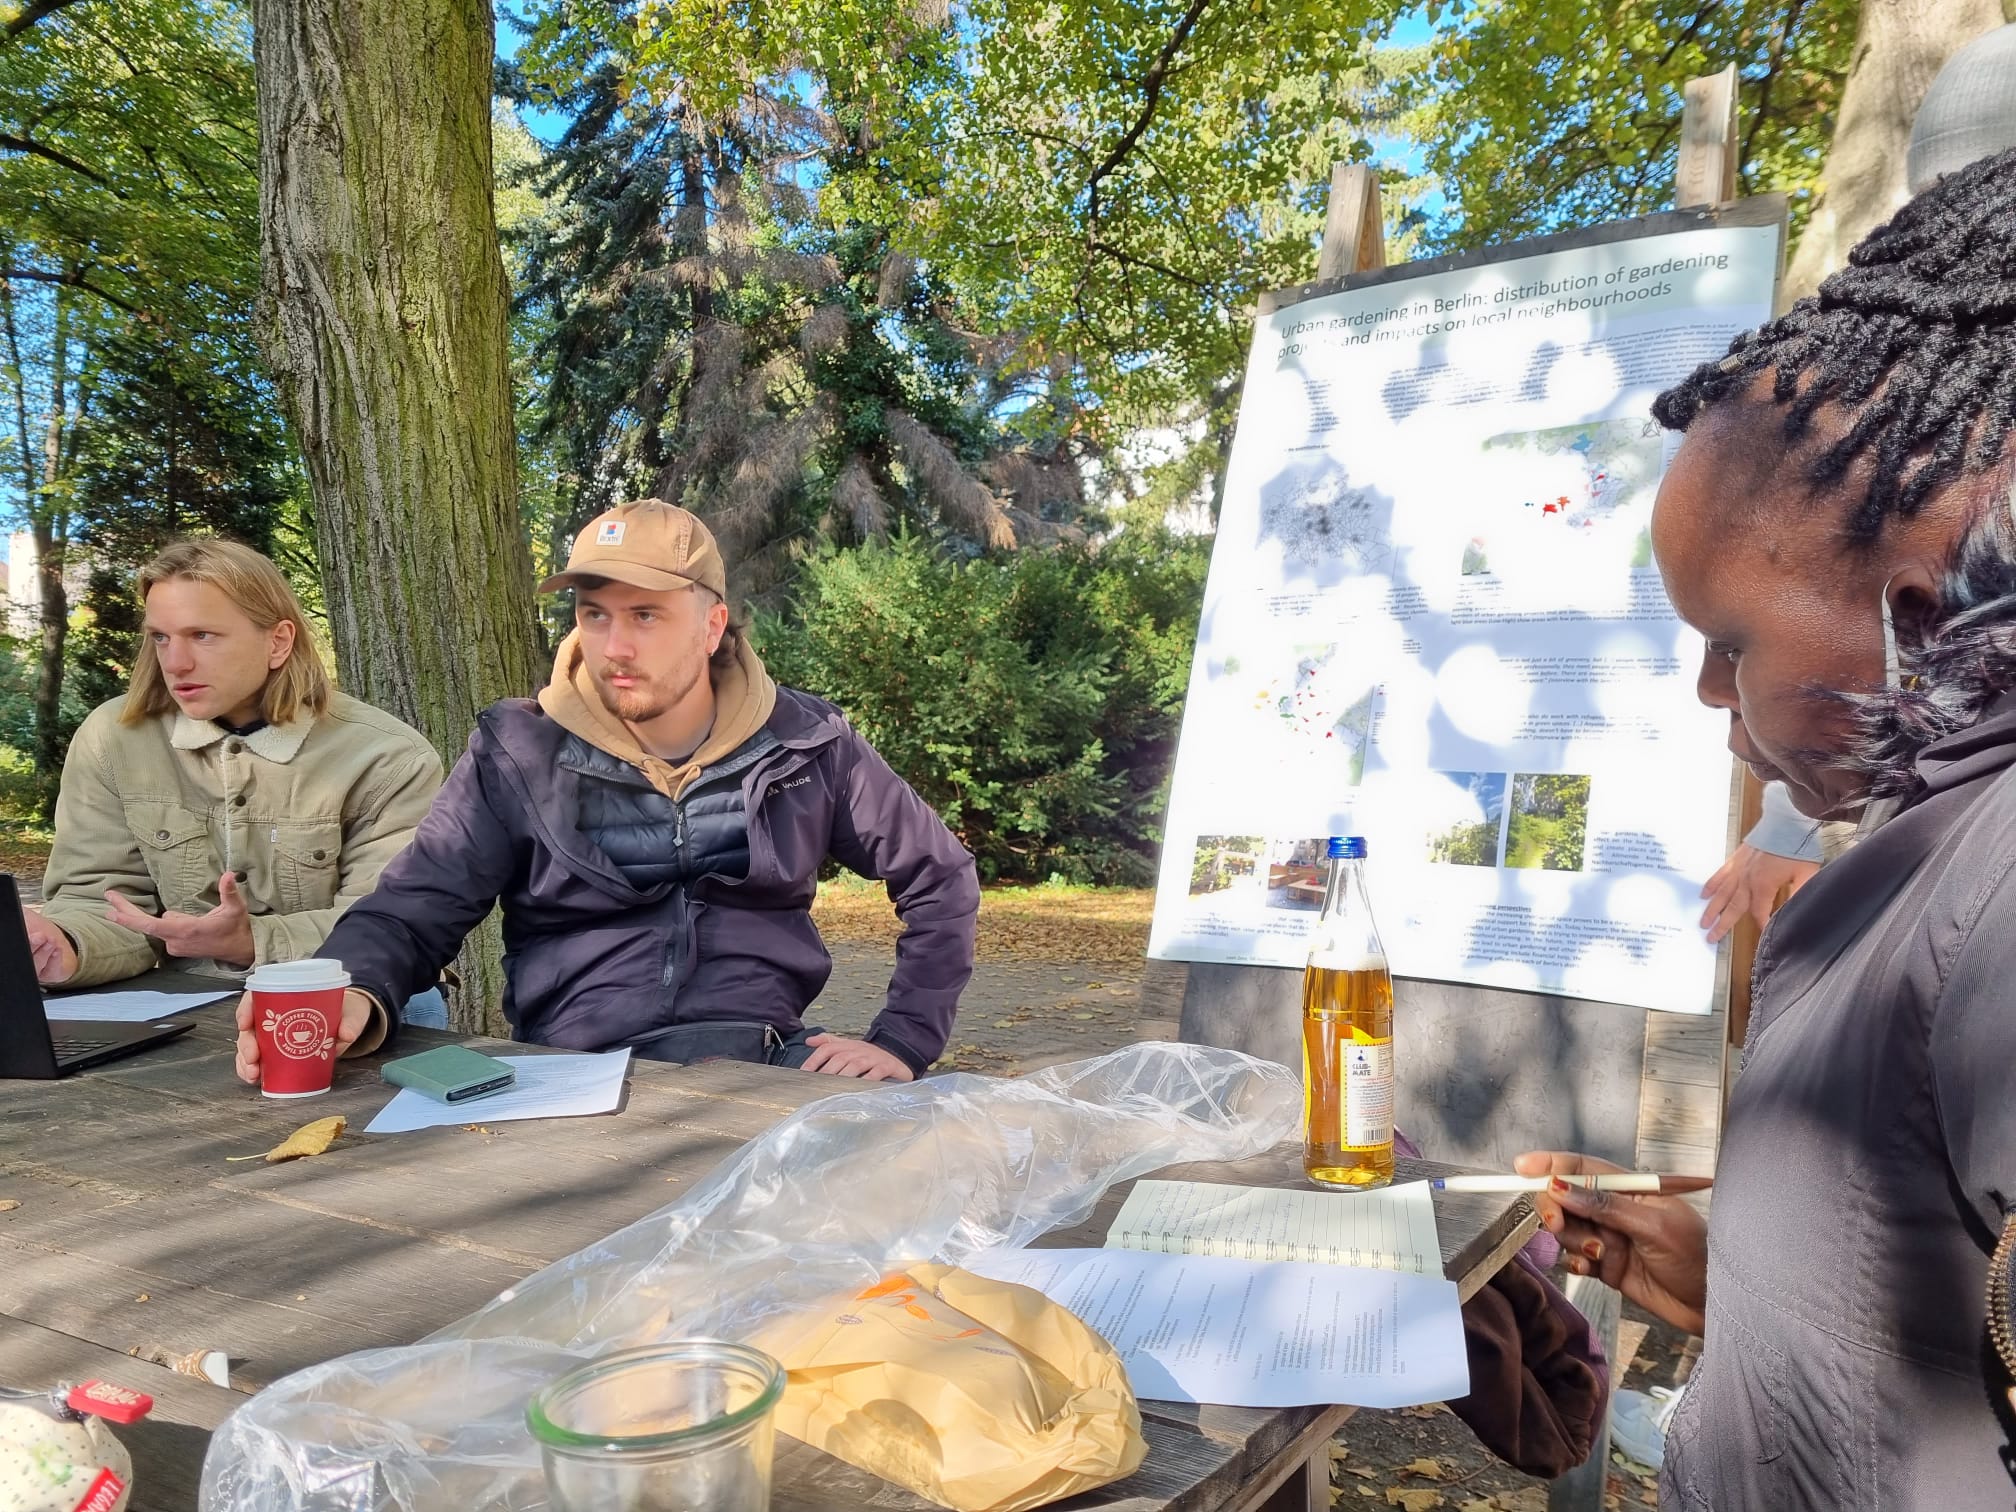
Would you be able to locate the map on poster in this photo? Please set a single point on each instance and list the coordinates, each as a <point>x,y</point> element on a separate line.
<point>1433,618</point>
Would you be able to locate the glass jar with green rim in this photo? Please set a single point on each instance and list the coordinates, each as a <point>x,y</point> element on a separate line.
<point>687,1426</point>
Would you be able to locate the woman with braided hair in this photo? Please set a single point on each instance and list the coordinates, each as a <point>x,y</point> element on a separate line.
<point>1837,523</point>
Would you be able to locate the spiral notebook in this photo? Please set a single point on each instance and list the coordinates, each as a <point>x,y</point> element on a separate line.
<point>1390,1229</point>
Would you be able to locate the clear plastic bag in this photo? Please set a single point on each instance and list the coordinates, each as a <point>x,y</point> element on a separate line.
<point>833,1198</point>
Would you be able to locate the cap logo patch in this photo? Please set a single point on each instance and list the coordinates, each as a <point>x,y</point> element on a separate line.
<point>610,533</point>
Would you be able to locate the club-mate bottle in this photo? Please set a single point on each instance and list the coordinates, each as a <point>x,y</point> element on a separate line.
<point>1347,1035</point>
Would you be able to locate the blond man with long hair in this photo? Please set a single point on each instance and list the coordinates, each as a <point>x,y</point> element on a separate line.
<point>231,804</point>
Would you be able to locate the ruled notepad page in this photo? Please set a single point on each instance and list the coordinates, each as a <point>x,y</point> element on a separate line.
<point>1392,1228</point>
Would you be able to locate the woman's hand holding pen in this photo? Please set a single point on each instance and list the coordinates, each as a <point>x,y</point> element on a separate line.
<point>1652,1249</point>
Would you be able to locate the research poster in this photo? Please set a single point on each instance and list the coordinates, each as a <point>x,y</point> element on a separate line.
<point>1433,619</point>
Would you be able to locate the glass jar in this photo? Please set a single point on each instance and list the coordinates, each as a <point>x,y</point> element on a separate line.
<point>679,1427</point>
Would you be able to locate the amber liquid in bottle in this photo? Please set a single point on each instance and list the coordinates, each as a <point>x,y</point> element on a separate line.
<point>1347,1027</point>
<point>1347,1037</point>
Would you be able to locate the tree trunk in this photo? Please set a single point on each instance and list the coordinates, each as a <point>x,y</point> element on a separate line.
<point>1900,46</point>
<point>49,521</point>
<point>384,315</point>
<point>53,623</point>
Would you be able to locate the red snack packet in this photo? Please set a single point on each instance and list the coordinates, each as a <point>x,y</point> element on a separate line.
<point>116,1404</point>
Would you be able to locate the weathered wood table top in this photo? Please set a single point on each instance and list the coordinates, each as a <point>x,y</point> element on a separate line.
<point>136,1245</point>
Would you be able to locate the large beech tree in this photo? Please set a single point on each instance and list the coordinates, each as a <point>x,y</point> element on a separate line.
<point>384,317</point>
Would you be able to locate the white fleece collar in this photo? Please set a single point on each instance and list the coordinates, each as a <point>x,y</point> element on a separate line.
<point>275,743</point>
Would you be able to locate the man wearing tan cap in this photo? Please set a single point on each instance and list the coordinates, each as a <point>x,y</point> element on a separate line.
<point>654,825</point>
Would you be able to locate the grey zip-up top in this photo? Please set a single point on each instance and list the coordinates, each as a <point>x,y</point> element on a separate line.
<point>1868,1163</point>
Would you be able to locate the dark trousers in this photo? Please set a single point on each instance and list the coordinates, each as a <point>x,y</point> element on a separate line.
<point>732,1039</point>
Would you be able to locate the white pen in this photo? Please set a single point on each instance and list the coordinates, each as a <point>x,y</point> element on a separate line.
<point>1609,1181</point>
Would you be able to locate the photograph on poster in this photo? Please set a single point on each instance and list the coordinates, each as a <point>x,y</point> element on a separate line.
<point>1219,863</point>
<point>1297,871</point>
<point>1474,836</point>
<point>1550,822</point>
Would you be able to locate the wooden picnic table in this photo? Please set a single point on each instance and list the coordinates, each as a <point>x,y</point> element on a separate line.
<point>136,1245</point>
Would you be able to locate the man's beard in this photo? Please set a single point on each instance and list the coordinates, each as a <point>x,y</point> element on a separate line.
<point>650,698</point>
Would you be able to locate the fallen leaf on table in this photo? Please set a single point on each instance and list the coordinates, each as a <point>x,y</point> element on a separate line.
<point>309,1139</point>
<point>1419,1500</point>
<point>8,1204</point>
<point>1427,1469</point>
<point>1361,1472</point>
<point>1430,1409</point>
<point>141,1298</point>
<point>1338,1453</point>
<point>1525,1499</point>
<point>1486,1505</point>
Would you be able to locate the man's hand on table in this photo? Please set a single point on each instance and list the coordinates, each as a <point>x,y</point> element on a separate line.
<point>357,1011</point>
<point>55,956</point>
<point>223,934</point>
<point>835,1055</point>
<point>1652,1249</point>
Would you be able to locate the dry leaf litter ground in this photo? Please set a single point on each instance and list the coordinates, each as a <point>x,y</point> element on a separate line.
<point>1061,975</point>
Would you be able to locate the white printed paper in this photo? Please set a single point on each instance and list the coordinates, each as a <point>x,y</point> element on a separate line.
<point>131,1007</point>
<point>547,1086</point>
<point>1433,619</point>
<point>1244,1333</point>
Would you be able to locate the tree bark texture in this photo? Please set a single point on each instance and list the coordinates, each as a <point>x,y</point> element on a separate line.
<point>53,627</point>
<point>384,310</point>
<point>1900,46</point>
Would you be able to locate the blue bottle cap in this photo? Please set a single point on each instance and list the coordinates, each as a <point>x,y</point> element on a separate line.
<point>1347,847</point>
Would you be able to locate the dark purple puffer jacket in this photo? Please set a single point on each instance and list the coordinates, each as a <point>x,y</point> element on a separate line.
<point>592,961</point>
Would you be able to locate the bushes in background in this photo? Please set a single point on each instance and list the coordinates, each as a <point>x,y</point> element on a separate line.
<point>1032,699</point>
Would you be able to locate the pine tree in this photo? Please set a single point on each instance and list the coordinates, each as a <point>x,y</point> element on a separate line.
<point>714,339</point>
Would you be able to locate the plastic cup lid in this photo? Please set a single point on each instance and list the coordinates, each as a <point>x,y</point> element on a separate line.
<point>317,975</point>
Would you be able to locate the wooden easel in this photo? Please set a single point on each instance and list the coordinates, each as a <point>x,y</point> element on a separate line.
<point>1486,1073</point>
<point>1707,176</point>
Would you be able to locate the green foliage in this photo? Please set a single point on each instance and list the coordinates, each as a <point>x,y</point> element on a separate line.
<point>25,793</point>
<point>130,407</point>
<point>169,451</point>
<point>1098,183</point>
<point>1466,845</point>
<point>176,449</point>
<point>1550,822</point>
<point>1031,699</point>
<point>129,158</point>
<point>1541,115</point>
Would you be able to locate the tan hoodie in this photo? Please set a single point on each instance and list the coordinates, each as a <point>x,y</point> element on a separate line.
<point>744,696</point>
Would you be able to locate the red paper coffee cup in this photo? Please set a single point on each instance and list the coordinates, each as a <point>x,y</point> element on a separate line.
<point>297,1007</point>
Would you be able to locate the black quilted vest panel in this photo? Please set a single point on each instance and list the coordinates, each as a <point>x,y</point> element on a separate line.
<point>654,839</point>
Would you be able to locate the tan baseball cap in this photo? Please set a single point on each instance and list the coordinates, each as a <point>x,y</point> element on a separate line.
<point>646,543</point>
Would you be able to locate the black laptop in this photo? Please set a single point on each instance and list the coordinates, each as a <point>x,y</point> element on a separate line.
<point>33,1045</point>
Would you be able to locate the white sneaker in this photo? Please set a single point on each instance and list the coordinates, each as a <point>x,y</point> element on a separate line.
<point>1638,1423</point>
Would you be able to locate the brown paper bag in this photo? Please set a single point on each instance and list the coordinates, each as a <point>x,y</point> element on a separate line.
<point>981,1395</point>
